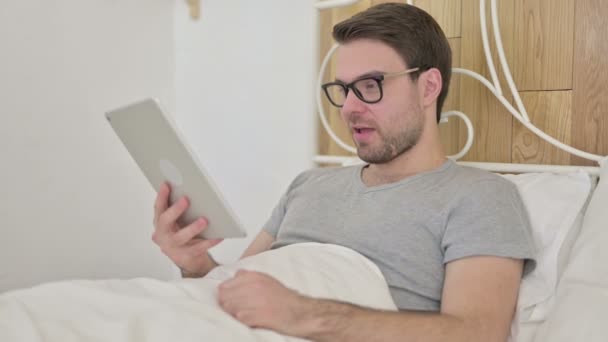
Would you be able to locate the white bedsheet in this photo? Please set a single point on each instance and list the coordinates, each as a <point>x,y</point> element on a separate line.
<point>183,310</point>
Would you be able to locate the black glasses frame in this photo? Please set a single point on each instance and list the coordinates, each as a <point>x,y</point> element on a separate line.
<point>347,86</point>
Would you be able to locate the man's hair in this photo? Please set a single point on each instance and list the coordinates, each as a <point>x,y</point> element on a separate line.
<point>412,32</point>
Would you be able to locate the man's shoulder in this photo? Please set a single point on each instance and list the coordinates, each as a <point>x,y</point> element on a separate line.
<point>477,180</point>
<point>474,175</point>
<point>323,174</point>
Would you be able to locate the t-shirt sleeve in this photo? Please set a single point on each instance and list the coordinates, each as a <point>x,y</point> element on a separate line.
<point>273,224</point>
<point>489,220</point>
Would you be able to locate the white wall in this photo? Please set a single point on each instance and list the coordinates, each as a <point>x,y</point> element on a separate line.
<point>73,204</point>
<point>244,99</point>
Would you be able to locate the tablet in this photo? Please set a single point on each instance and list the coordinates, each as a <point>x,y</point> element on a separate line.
<point>161,152</point>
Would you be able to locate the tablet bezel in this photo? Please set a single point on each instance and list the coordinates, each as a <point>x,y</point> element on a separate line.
<point>151,138</point>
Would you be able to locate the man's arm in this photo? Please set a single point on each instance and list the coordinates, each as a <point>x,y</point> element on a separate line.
<point>478,303</point>
<point>261,243</point>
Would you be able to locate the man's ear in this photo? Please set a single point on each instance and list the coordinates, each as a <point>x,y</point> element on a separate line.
<point>432,82</point>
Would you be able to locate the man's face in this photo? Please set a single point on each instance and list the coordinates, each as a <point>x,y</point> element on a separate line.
<point>384,130</point>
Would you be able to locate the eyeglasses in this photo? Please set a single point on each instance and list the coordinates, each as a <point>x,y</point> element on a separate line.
<point>367,89</point>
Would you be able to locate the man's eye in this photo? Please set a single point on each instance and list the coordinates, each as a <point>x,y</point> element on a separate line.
<point>367,85</point>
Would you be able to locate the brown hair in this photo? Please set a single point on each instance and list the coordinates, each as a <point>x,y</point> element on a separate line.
<point>412,32</point>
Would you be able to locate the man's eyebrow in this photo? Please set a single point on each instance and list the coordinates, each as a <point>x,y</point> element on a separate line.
<point>367,74</point>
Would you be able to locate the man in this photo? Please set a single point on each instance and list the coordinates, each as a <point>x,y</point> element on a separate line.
<point>451,241</point>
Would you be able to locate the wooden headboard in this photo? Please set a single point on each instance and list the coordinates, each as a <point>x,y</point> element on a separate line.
<point>557,52</point>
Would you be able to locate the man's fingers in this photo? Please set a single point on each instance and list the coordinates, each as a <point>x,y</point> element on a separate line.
<point>162,200</point>
<point>167,219</point>
<point>187,233</point>
<point>201,246</point>
<point>241,279</point>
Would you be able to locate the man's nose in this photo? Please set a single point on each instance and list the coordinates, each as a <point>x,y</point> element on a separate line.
<point>352,104</point>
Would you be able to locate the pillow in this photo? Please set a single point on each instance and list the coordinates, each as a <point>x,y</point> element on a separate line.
<point>553,202</point>
<point>590,254</point>
<point>582,293</point>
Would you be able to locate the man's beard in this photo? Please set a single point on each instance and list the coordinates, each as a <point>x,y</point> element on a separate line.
<point>393,146</point>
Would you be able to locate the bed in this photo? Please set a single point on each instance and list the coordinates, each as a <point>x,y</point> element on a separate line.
<point>563,299</point>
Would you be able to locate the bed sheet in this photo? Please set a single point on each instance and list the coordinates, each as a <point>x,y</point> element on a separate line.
<point>183,310</point>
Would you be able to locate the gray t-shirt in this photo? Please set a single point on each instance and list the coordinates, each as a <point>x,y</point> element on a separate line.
<point>410,229</point>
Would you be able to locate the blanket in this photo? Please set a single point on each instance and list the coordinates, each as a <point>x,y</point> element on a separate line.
<point>184,310</point>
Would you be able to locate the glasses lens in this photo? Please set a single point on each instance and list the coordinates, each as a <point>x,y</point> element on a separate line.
<point>336,94</point>
<point>369,89</point>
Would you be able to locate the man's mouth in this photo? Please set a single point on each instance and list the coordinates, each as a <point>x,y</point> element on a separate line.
<point>362,134</point>
<point>363,129</point>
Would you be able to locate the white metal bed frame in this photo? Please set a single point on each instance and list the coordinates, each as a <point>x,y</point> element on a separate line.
<point>520,113</point>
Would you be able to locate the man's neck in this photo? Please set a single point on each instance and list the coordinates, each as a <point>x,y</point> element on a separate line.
<point>423,157</point>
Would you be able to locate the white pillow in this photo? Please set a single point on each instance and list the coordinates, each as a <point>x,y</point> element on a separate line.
<point>553,202</point>
<point>582,294</point>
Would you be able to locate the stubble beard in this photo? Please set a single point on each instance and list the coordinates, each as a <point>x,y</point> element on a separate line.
<point>392,146</point>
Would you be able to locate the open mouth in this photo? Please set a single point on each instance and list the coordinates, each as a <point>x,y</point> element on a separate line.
<point>363,130</point>
<point>362,134</point>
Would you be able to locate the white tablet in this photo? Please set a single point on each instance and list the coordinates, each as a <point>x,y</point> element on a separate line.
<point>162,154</point>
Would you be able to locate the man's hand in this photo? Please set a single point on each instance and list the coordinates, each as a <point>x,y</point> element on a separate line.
<point>478,302</point>
<point>181,245</point>
<point>260,301</point>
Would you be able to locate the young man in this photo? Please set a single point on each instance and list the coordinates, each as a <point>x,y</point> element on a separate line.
<point>451,241</point>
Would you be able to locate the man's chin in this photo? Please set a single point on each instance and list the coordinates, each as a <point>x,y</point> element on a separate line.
<point>371,159</point>
<point>378,158</point>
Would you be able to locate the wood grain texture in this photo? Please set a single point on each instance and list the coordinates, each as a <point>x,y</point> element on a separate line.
<point>551,45</point>
<point>376,2</point>
<point>327,19</point>
<point>341,13</point>
<point>551,112</point>
<point>543,52</point>
<point>491,121</point>
<point>449,132</point>
<point>325,43</point>
<point>590,83</point>
<point>333,114</point>
<point>447,13</point>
